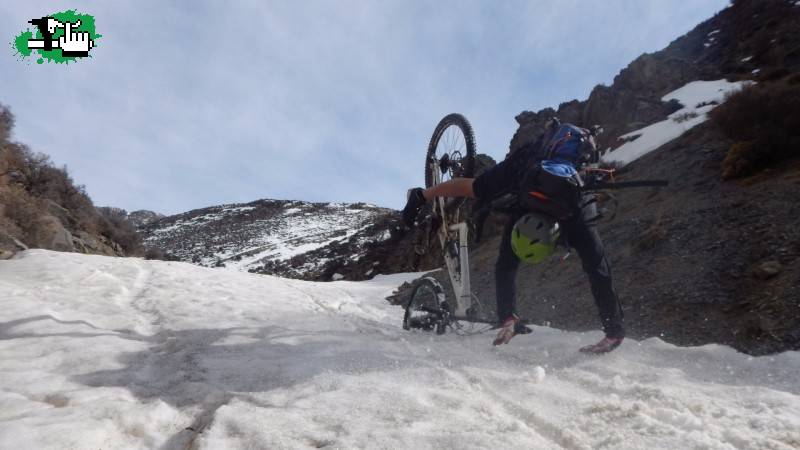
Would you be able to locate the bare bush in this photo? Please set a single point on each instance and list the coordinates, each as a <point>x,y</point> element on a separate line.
<point>684,117</point>
<point>157,253</point>
<point>33,191</point>
<point>119,230</point>
<point>6,123</point>
<point>652,236</point>
<point>740,159</point>
<point>764,120</point>
<point>23,215</point>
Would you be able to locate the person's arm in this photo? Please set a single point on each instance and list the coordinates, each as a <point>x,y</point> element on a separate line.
<point>457,187</point>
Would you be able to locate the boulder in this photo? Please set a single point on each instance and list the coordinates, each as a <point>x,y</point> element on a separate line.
<point>63,215</point>
<point>84,242</point>
<point>54,235</point>
<point>767,270</point>
<point>80,245</point>
<point>531,125</point>
<point>89,242</point>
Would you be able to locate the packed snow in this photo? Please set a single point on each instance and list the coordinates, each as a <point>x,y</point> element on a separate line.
<point>697,98</point>
<point>109,353</point>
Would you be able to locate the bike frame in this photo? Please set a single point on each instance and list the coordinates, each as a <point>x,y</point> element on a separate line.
<point>458,263</point>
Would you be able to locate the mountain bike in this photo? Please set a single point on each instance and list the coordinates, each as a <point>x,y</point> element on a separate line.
<point>451,154</point>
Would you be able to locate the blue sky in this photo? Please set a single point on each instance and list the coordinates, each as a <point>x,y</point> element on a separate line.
<point>196,103</point>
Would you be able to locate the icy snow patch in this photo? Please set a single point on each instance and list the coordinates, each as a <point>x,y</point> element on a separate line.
<point>691,96</point>
<point>385,236</point>
<point>101,352</point>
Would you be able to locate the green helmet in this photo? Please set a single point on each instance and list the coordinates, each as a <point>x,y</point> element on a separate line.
<point>534,238</point>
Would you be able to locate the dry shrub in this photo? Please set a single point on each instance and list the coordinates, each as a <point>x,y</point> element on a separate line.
<point>653,235</point>
<point>773,74</point>
<point>684,117</point>
<point>793,79</point>
<point>23,216</point>
<point>764,120</point>
<point>6,123</point>
<point>119,230</point>
<point>740,159</point>
<point>157,253</point>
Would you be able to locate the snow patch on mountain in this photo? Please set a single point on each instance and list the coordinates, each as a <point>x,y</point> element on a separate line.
<point>697,98</point>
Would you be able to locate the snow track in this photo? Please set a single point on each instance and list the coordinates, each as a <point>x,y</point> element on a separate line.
<point>122,353</point>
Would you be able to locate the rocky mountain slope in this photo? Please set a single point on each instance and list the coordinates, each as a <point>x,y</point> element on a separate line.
<point>751,39</point>
<point>314,241</point>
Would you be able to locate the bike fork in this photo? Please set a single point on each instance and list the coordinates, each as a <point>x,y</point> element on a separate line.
<point>459,276</point>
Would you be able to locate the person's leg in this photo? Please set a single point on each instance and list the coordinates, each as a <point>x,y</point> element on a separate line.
<point>505,275</point>
<point>583,237</point>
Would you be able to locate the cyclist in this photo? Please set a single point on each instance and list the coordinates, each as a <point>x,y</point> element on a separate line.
<point>570,148</point>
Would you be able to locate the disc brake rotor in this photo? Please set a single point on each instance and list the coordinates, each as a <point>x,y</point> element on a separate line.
<point>456,164</point>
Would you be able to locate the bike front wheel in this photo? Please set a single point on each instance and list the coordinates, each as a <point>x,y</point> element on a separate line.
<point>451,154</point>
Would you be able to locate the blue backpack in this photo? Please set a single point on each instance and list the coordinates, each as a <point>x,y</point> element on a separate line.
<point>567,143</point>
<point>550,183</point>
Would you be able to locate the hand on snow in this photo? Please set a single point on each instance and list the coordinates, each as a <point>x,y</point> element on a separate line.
<point>506,331</point>
<point>510,328</point>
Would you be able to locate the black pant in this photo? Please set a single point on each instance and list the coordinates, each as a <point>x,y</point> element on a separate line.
<point>581,235</point>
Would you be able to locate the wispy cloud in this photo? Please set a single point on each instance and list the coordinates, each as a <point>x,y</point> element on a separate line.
<point>188,104</point>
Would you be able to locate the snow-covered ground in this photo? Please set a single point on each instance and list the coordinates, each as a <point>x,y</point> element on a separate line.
<point>697,98</point>
<point>116,353</point>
